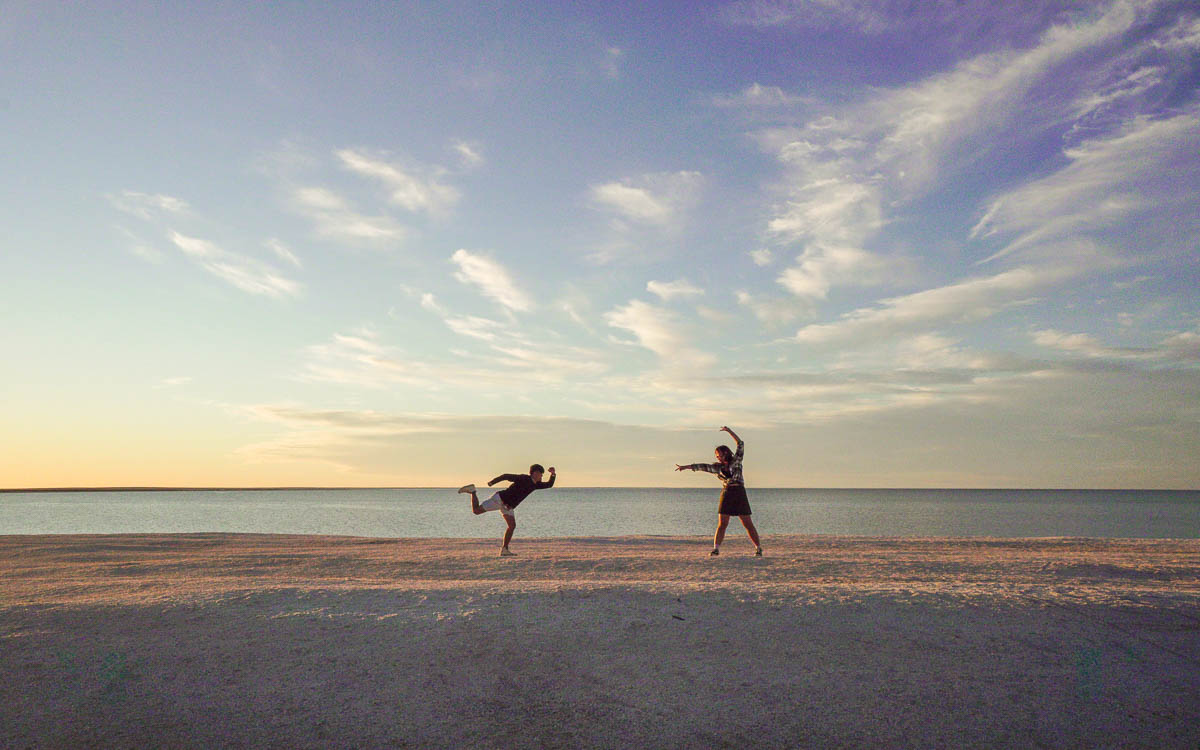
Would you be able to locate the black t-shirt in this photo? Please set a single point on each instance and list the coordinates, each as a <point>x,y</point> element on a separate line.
<point>521,487</point>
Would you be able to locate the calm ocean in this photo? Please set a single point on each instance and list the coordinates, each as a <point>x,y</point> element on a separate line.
<point>611,512</point>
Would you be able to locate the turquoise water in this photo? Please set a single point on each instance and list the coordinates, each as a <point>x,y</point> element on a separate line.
<point>611,512</point>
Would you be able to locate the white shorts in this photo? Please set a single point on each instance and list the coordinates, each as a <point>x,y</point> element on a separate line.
<point>496,503</point>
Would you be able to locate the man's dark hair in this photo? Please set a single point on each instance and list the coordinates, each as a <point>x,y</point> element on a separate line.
<point>536,467</point>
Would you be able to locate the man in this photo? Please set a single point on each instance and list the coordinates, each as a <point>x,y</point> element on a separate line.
<point>507,499</point>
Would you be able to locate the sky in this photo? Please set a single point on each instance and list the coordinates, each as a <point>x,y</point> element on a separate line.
<point>891,244</point>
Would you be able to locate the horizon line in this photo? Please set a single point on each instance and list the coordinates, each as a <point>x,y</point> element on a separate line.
<point>284,488</point>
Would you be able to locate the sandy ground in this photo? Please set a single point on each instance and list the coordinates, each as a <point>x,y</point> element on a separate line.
<point>219,640</point>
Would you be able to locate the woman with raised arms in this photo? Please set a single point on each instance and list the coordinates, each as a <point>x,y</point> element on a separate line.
<point>734,502</point>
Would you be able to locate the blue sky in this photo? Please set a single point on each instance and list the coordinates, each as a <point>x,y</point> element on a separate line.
<point>425,243</point>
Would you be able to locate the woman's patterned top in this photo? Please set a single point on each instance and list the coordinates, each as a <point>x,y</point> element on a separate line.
<point>731,474</point>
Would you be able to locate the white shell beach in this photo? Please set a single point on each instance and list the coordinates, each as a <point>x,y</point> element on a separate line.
<point>207,640</point>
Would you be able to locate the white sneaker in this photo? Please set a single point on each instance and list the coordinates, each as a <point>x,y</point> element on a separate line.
<point>466,489</point>
<point>506,552</point>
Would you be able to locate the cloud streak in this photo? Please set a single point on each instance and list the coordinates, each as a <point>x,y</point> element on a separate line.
<point>491,278</point>
<point>969,300</point>
<point>660,331</point>
<point>414,193</point>
<point>1107,184</point>
<point>652,199</point>
<point>671,290</point>
<point>242,272</point>
<point>853,170</point>
<point>335,219</point>
<point>147,206</point>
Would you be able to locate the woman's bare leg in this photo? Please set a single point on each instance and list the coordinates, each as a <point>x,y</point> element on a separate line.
<point>753,532</point>
<point>722,522</point>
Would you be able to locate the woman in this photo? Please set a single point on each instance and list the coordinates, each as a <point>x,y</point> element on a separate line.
<point>734,502</point>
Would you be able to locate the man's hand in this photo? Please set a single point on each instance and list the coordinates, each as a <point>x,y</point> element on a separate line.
<point>681,467</point>
<point>551,471</point>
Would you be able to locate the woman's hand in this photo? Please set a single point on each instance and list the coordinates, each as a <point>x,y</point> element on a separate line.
<point>726,429</point>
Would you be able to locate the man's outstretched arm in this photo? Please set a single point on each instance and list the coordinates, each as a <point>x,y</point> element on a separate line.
<point>504,478</point>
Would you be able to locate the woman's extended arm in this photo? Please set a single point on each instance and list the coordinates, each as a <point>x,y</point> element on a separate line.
<point>741,447</point>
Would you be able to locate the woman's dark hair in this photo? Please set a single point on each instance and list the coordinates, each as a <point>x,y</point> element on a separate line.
<point>725,452</point>
<point>536,467</point>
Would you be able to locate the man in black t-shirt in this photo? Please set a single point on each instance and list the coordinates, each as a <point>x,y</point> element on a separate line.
<point>507,499</point>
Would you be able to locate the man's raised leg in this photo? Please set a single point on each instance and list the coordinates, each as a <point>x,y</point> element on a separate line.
<point>469,489</point>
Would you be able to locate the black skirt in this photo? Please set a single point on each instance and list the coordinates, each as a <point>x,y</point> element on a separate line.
<point>734,501</point>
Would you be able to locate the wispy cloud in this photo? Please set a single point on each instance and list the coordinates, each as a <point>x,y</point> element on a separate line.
<point>1107,182</point>
<point>141,247</point>
<point>1184,36</point>
<point>1082,343</point>
<point>645,215</point>
<point>283,252</point>
<point>759,97</point>
<point>491,278</point>
<point>631,202</point>
<point>1184,345</point>
<point>334,218</point>
<point>470,154</point>
<point>515,353</point>
<point>508,363</point>
<point>972,299</point>
<point>820,267</point>
<point>773,310</point>
<point>360,359</point>
<point>660,331</point>
<point>670,290</point>
<point>416,193</point>
<point>346,439</point>
<point>852,170</point>
<point>245,273</point>
<point>146,205</point>
<point>473,326</point>
<point>930,352</point>
<point>762,257</point>
<point>1181,348</point>
<point>367,420</point>
<point>655,199</point>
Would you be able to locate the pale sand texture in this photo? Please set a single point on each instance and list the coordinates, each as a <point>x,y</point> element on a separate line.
<point>206,640</point>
